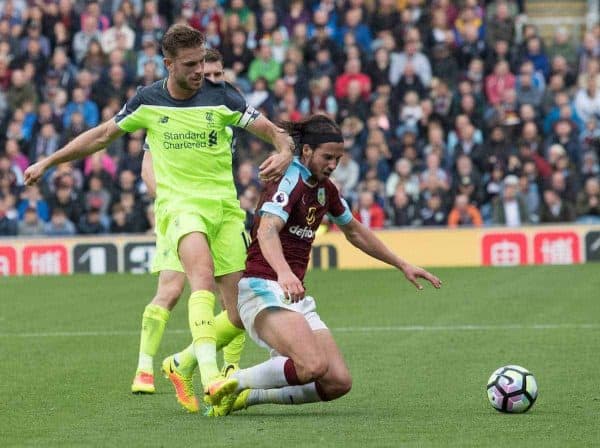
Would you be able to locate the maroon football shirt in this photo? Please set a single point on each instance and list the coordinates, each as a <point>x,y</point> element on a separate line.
<point>302,207</point>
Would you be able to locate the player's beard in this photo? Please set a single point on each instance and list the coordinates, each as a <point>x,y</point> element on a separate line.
<point>185,83</point>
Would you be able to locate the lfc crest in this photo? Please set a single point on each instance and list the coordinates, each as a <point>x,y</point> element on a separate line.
<point>321,196</point>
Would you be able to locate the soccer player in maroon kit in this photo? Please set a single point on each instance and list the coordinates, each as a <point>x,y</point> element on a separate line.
<point>306,364</point>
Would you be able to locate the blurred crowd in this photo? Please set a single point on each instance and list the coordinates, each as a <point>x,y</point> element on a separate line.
<point>454,113</point>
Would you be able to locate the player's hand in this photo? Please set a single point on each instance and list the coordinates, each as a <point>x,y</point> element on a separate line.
<point>292,286</point>
<point>412,273</point>
<point>274,167</point>
<point>34,173</point>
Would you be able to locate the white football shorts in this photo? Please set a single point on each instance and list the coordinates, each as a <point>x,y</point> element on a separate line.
<point>257,294</point>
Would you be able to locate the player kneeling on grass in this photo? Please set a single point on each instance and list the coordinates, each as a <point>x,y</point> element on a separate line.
<point>306,365</point>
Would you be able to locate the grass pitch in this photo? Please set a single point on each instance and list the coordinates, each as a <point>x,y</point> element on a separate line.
<point>420,362</point>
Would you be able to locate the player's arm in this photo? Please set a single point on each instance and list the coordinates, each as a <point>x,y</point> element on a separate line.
<point>271,248</point>
<point>81,146</point>
<point>148,174</point>
<point>274,167</point>
<point>364,239</point>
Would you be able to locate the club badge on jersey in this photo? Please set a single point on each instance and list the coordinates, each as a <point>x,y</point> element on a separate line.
<point>321,197</point>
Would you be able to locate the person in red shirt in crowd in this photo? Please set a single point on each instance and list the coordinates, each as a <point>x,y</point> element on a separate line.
<point>368,212</point>
<point>352,72</point>
<point>499,81</point>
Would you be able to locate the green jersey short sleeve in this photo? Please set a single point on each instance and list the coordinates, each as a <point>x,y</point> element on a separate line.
<point>189,140</point>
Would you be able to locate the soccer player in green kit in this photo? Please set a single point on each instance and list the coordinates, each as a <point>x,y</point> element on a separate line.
<point>179,369</point>
<point>198,219</point>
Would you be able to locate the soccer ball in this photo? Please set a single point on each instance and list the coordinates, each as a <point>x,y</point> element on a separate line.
<point>512,389</point>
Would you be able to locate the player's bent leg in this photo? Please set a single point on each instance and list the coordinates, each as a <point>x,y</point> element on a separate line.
<point>334,384</point>
<point>289,334</point>
<point>337,381</point>
<point>154,320</point>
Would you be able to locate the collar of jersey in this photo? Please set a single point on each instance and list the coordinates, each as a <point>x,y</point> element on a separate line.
<point>304,172</point>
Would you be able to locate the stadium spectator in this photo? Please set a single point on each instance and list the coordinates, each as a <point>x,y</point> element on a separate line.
<point>501,25</point>
<point>554,209</point>
<point>402,175</point>
<point>562,44</point>
<point>346,175</point>
<point>319,99</point>
<point>353,104</point>
<point>410,55</point>
<point>119,30</point>
<point>403,208</point>
<point>354,24</point>
<point>352,73</point>
<point>498,82</point>
<point>66,198</point>
<point>509,208</point>
<point>588,202</point>
<point>87,108</point>
<point>47,142</point>
<point>264,65</point>
<point>81,39</point>
<point>246,177</point>
<point>32,199</point>
<point>21,90</point>
<point>98,196</point>
<point>432,211</point>
<point>368,212</point>
<point>91,223</point>
<point>236,54</point>
<point>59,224</point>
<point>30,224</point>
<point>8,225</point>
<point>464,214</point>
<point>587,100</point>
<point>529,190</point>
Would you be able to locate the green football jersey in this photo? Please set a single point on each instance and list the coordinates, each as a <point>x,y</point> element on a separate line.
<point>189,140</point>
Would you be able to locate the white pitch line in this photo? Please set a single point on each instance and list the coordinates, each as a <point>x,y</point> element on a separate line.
<point>401,328</point>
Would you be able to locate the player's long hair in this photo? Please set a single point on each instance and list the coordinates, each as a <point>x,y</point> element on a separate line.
<point>311,131</point>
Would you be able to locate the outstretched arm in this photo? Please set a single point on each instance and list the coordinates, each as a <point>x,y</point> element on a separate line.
<point>274,167</point>
<point>270,246</point>
<point>81,146</point>
<point>363,238</point>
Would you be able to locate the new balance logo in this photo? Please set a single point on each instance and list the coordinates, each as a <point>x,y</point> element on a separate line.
<point>163,119</point>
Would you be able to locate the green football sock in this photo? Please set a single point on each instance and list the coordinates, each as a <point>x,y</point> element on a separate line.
<point>154,321</point>
<point>202,324</point>
<point>230,338</point>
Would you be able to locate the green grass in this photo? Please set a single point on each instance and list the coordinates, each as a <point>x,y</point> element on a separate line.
<point>413,386</point>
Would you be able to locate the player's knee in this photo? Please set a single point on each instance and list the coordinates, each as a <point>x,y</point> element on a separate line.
<point>311,369</point>
<point>335,385</point>
<point>342,385</point>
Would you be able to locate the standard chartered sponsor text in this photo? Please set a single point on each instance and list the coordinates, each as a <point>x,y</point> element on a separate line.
<point>185,140</point>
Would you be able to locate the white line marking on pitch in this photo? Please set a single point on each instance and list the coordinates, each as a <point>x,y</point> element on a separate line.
<point>405,328</point>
